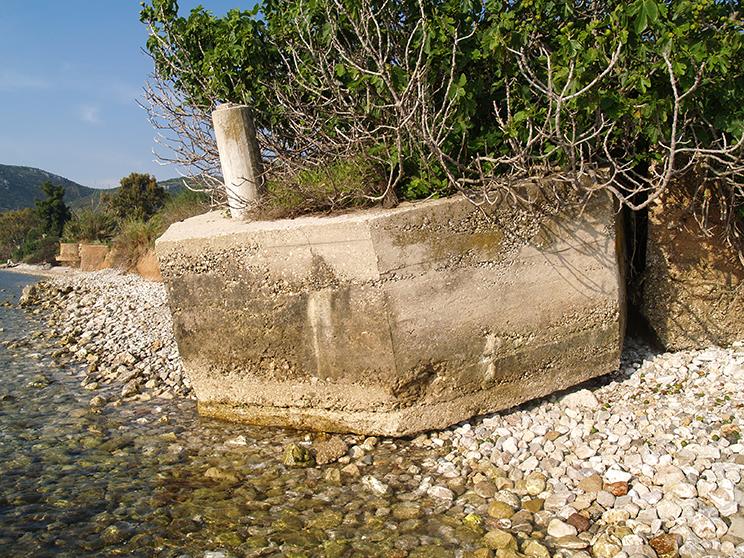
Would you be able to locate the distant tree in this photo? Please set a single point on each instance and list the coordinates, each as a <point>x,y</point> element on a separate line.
<point>139,197</point>
<point>52,211</point>
<point>15,228</point>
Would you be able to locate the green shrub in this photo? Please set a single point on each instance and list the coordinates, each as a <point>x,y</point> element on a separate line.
<point>15,227</point>
<point>40,249</point>
<point>135,238</point>
<point>90,225</point>
<point>138,197</point>
<point>23,238</point>
<point>506,90</point>
<point>341,184</point>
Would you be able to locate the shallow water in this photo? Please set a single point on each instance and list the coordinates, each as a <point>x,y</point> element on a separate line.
<point>130,480</point>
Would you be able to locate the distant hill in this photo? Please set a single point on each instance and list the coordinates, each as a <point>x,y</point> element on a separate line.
<point>21,187</point>
<point>174,185</point>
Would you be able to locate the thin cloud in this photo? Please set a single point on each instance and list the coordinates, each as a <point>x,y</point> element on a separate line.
<point>14,81</point>
<point>90,114</point>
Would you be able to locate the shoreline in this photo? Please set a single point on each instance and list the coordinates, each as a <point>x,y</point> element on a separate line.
<point>116,326</point>
<point>646,461</point>
<point>37,270</point>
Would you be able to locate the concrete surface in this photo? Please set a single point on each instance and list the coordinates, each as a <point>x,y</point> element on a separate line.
<point>69,254</point>
<point>397,321</point>
<point>93,257</point>
<point>693,286</point>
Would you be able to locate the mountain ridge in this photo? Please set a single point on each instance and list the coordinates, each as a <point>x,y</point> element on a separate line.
<point>20,186</point>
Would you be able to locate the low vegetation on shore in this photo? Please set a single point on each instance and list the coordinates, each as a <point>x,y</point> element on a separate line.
<point>129,220</point>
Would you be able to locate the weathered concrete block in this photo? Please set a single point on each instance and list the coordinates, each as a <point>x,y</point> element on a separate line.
<point>393,321</point>
<point>93,257</point>
<point>693,286</point>
<point>69,254</point>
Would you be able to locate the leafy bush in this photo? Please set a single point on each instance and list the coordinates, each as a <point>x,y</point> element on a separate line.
<point>15,227</point>
<point>135,238</point>
<point>32,234</point>
<point>90,225</point>
<point>138,197</point>
<point>40,249</point>
<point>446,95</point>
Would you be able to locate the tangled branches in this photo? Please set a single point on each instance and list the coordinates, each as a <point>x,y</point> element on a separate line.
<point>593,154</point>
<point>427,97</point>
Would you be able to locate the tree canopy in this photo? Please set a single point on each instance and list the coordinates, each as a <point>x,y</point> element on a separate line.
<point>139,197</point>
<point>446,95</point>
<point>52,211</point>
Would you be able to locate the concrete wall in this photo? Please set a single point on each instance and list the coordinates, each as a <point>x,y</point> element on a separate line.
<point>69,254</point>
<point>93,257</point>
<point>693,286</point>
<point>393,321</point>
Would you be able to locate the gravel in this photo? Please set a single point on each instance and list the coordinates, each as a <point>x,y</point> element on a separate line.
<point>653,450</point>
<point>648,461</point>
<point>119,326</point>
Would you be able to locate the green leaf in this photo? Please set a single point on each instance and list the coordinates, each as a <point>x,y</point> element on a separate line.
<point>652,10</point>
<point>641,22</point>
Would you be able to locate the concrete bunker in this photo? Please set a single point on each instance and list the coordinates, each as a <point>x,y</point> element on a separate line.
<point>394,321</point>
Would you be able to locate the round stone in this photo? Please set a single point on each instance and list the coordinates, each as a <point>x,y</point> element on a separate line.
<point>617,475</point>
<point>535,483</point>
<point>703,527</point>
<point>508,497</point>
<point>499,540</point>
<point>668,475</point>
<point>571,543</point>
<point>557,529</point>
<point>605,547</point>
<point>534,549</point>
<point>617,488</point>
<point>500,510</point>
<point>579,521</point>
<point>668,510</point>
<point>406,510</point>
<point>665,545</point>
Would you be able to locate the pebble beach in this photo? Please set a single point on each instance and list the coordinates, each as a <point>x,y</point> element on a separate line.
<point>646,461</point>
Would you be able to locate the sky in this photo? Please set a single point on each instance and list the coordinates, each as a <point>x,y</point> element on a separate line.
<point>70,74</point>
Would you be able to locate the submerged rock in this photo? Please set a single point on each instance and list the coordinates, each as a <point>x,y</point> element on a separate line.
<point>296,455</point>
<point>39,381</point>
<point>328,451</point>
<point>220,475</point>
<point>98,401</point>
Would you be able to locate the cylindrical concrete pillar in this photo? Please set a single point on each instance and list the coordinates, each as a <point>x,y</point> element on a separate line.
<point>239,157</point>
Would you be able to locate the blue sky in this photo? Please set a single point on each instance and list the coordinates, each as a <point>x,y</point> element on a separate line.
<point>70,74</point>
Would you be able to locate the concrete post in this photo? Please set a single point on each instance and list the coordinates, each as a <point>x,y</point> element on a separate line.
<point>239,157</point>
